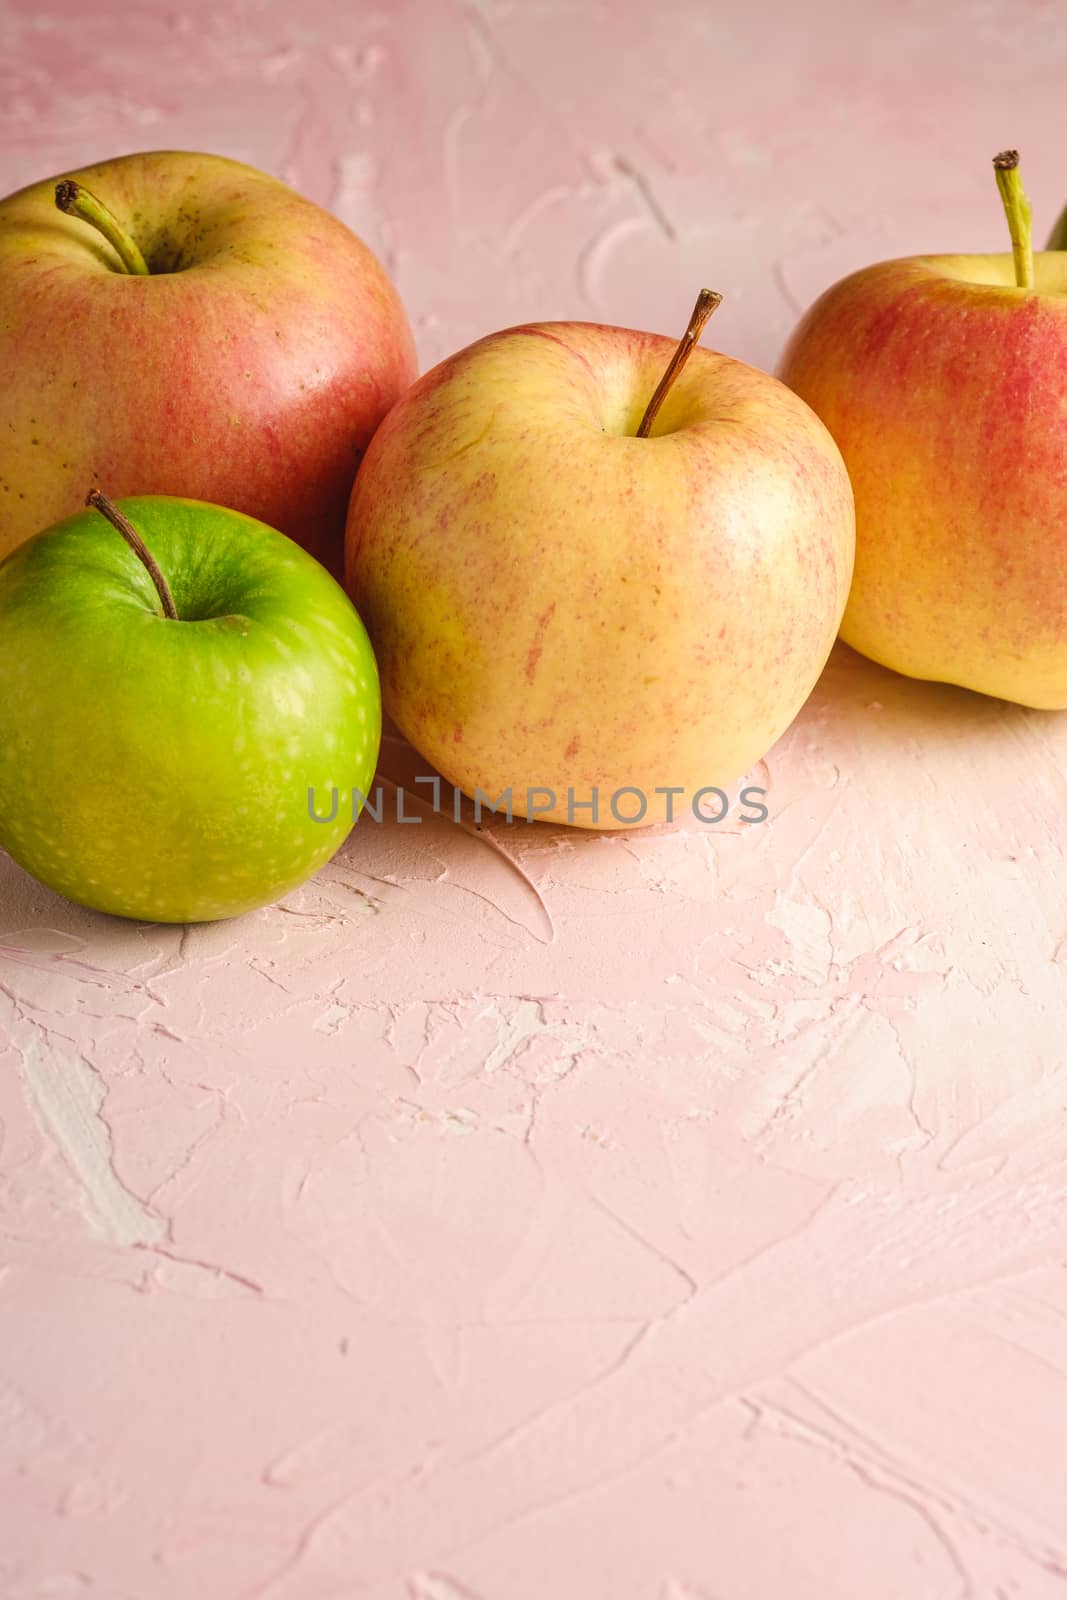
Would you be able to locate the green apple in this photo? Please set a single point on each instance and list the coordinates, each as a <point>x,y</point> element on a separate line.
<point>175,716</point>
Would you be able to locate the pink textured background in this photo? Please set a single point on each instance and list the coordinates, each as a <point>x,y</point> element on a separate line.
<point>673,1217</point>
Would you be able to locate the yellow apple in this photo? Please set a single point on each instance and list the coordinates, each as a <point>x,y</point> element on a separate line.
<point>560,606</point>
<point>944,381</point>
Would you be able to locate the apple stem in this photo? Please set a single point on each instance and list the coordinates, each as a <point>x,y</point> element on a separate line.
<point>707,302</point>
<point>80,202</point>
<point>107,508</point>
<point>1017,211</point>
<point>1057,239</point>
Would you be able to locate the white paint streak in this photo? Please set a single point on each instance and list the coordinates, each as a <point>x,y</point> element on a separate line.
<point>66,1095</point>
<point>516,1028</point>
<point>438,1586</point>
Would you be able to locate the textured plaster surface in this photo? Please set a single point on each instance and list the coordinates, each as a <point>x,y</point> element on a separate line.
<point>520,1214</point>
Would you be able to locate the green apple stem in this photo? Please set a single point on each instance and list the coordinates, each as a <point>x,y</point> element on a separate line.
<point>707,302</point>
<point>80,202</point>
<point>1017,211</point>
<point>107,508</point>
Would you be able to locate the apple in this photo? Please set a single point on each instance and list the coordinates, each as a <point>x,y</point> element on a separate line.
<point>191,327</point>
<point>942,378</point>
<point>176,710</point>
<point>574,590</point>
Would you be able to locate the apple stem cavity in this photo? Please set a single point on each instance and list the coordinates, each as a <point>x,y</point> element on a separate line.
<point>77,201</point>
<point>107,508</point>
<point>1017,211</point>
<point>707,302</point>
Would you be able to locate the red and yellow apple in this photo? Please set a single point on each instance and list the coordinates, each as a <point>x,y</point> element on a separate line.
<point>558,604</point>
<point>248,365</point>
<point>944,381</point>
